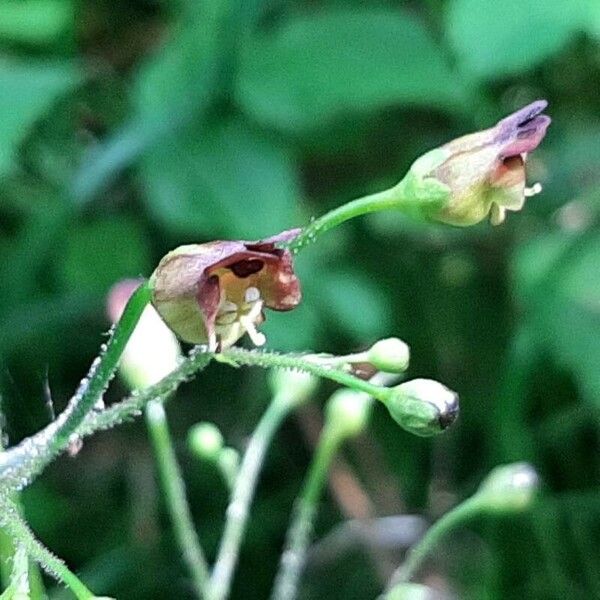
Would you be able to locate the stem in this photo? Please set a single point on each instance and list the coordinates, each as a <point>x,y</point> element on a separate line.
<point>174,490</point>
<point>300,531</point>
<point>20,465</point>
<point>392,198</point>
<point>17,529</point>
<point>125,410</point>
<point>290,361</point>
<point>241,497</point>
<point>441,528</point>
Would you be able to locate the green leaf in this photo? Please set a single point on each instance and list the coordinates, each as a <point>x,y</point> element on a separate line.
<point>355,303</point>
<point>173,88</point>
<point>318,67</point>
<point>558,281</point>
<point>227,181</point>
<point>494,39</point>
<point>35,22</point>
<point>99,254</point>
<point>28,91</point>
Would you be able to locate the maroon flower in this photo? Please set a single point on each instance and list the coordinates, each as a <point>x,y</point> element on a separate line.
<point>484,172</point>
<point>215,292</point>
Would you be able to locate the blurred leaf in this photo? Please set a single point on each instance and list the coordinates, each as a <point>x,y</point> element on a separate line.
<point>558,280</point>
<point>173,88</point>
<point>494,39</point>
<point>227,180</point>
<point>355,303</point>
<point>317,67</point>
<point>98,254</point>
<point>35,22</point>
<point>28,90</point>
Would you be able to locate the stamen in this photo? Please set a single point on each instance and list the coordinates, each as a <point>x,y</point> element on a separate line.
<point>252,295</point>
<point>536,188</point>
<point>212,342</point>
<point>258,338</point>
<point>228,307</point>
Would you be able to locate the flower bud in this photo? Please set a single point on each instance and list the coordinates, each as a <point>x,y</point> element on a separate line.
<point>412,591</point>
<point>347,411</point>
<point>206,441</point>
<point>423,406</point>
<point>292,387</point>
<point>483,173</point>
<point>228,462</point>
<point>152,351</point>
<point>509,488</point>
<point>390,355</point>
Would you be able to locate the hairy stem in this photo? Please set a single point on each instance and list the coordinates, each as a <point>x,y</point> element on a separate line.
<point>21,464</point>
<point>305,512</point>
<point>174,490</point>
<point>12,523</point>
<point>291,361</point>
<point>392,198</point>
<point>241,498</point>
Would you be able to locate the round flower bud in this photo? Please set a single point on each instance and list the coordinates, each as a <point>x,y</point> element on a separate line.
<point>206,441</point>
<point>293,387</point>
<point>390,355</point>
<point>423,406</point>
<point>509,488</point>
<point>348,411</point>
<point>229,464</point>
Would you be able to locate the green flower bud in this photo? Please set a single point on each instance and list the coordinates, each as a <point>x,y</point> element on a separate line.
<point>509,488</point>
<point>390,355</point>
<point>347,411</point>
<point>293,387</point>
<point>206,441</point>
<point>423,406</point>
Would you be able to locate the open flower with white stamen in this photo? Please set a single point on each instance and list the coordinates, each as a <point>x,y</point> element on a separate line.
<point>214,293</point>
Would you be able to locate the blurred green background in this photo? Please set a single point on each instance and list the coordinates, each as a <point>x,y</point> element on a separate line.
<point>130,127</point>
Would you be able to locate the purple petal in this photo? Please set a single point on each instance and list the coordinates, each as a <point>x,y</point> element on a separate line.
<point>522,131</point>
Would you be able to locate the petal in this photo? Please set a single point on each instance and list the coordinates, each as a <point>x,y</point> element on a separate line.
<point>522,131</point>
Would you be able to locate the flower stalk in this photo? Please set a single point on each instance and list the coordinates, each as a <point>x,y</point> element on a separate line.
<point>174,490</point>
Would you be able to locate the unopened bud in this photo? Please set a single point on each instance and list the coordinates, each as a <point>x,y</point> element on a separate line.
<point>412,591</point>
<point>292,387</point>
<point>229,464</point>
<point>509,488</point>
<point>390,355</point>
<point>423,406</point>
<point>206,441</point>
<point>348,411</point>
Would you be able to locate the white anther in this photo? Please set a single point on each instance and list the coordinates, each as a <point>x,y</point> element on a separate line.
<point>536,188</point>
<point>252,295</point>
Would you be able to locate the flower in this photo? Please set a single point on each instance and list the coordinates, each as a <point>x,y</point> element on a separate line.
<point>484,172</point>
<point>152,351</point>
<point>214,293</point>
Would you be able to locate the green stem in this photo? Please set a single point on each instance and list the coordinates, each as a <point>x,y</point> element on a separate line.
<point>290,361</point>
<point>12,523</point>
<point>393,198</point>
<point>441,528</point>
<point>174,490</point>
<point>242,495</point>
<point>125,410</point>
<point>305,512</point>
<point>20,465</point>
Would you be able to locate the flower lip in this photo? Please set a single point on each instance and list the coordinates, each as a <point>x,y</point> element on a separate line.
<point>522,131</point>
